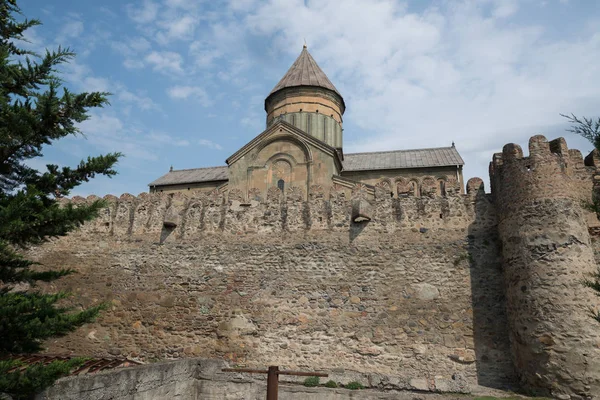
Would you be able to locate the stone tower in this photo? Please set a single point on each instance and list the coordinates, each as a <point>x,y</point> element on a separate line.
<point>307,99</point>
<point>547,253</point>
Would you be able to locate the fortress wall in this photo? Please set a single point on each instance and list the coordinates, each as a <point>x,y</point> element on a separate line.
<point>547,253</point>
<point>415,293</point>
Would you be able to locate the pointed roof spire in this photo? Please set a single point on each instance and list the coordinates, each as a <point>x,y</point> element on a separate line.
<point>305,72</point>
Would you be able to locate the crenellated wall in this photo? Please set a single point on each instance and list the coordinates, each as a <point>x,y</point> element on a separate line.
<point>547,254</point>
<point>429,289</point>
<point>413,291</point>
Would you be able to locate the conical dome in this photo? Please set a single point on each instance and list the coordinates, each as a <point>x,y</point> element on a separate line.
<point>305,72</point>
<point>307,99</point>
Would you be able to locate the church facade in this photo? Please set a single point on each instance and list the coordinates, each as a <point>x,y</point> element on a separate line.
<point>301,152</point>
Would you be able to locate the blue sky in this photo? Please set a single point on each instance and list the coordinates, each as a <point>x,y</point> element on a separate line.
<point>189,77</point>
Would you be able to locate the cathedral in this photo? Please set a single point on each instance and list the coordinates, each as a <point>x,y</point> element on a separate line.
<point>301,151</point>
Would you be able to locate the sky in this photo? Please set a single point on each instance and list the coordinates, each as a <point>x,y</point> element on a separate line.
<point>189,77</point>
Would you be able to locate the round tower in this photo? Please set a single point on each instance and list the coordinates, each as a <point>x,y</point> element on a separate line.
<point>547,254</point>
<point>307,99</point>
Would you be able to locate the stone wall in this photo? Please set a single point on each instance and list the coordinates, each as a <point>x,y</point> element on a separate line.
<point>414,292</point>
<point>203,379</point>
<point>547,253</point>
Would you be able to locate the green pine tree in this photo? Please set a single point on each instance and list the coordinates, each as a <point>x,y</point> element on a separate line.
<point>589,129</point>
<point>34,112</point>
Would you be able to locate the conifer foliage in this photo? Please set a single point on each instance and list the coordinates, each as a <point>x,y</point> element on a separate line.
<point>589,129</point>
<point>36,110</point>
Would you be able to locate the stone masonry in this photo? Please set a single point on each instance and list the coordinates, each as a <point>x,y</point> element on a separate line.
<point>425,289</point>
<point>547,253</point>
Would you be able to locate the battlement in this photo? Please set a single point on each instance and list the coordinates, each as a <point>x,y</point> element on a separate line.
<point>546,248</point>
<point>551,170</point>
<point>184,215</point>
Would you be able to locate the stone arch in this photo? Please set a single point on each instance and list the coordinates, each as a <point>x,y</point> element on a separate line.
<point>441,187</point>
<point>294,193</point>
<point>285,138</point>
<point>359,190</point>
<point>317,192</point>
<point>274,194</point>
<point>415,187</point>
<point>428,186</point>
<point>282,158</point>
<point>235,194</point>
<point>280,171</point>
<point>385,185</point>
<point>403,187</point>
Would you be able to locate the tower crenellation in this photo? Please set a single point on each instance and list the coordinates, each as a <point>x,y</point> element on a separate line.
<point>547,253</point>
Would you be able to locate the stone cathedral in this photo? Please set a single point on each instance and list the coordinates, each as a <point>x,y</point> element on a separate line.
<point>302,151</point>
<point>373,267</point>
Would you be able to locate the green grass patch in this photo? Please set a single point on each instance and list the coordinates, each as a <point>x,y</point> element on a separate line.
<point>354,385</point>
<point>311,381</point>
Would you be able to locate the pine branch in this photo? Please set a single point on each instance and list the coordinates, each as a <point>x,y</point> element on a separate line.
<point>60,182</point>
<point>34,112</point>
<point>23,382</point>
<point>585,127</point>
<point>32,218</point>
<point>27,318</point>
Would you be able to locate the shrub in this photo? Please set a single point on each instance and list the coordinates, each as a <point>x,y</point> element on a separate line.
<point>354,385</point>
<point>331,384</point>
<point>311,381</point>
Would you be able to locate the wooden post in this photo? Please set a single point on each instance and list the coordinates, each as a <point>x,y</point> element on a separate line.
<point>273,383</point>
<point>273,377</point>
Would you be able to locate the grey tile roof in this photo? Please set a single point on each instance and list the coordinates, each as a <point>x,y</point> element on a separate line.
<point>418,158</point>
<point>305,72</point>
<point>193,175</point>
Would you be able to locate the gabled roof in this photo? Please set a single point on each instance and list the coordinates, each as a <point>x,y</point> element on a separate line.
<point>194,175</point>
<point>305,72</point>
<point>290,129</point>
<point>417,158</point>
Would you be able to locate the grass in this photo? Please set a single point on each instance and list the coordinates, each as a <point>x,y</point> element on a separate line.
<point>354,385</point>
<point>312,381</point>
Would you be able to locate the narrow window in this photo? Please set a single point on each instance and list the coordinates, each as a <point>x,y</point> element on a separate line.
<point>280,184</point>
<point>442,188</point>
<point>414,188</point>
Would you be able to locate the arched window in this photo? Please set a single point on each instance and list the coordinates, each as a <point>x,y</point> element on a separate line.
<point>280,184</point>
<point>414,188</point>
<point>442,188</point>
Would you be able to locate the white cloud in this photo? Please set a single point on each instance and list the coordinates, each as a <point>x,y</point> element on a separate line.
<point>143,102</point>
<point>109,133</point>
<point>71,29</point>
<point>95,84</point>
<point>180,28</point>
<point>185,92</point>
<point>184,4</point>
<point>131,46</point>
<point>130,63</point>
<point>446,73</point>
<point>210,144</point>
<point>84,79</point>
<point>144,14</point>
<point>505,8</point>
<point>165,61</point>
<point>162,138</point>
<point>242,5</point>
